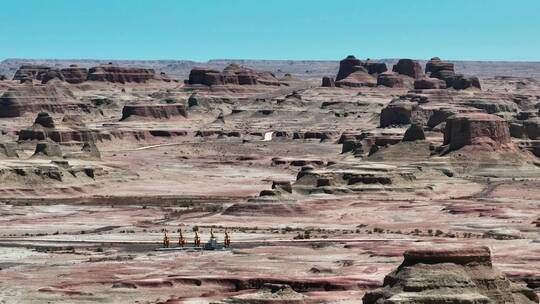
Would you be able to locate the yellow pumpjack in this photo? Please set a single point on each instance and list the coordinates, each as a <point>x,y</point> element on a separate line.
<point>211,245</point>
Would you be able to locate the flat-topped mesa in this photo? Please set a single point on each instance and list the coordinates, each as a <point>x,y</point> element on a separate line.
<point>460,256</point>
<point>476,129</point>
<point>30,72</point>
<point>233,74</point>
<point>112,73</point>
<point>36,98</point>
<point>442,276</point>
<point>75,75</point>
<point>159,111</point>
<point>204,76</point>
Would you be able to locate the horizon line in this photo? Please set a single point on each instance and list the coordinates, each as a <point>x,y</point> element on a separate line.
<point>255,59</point>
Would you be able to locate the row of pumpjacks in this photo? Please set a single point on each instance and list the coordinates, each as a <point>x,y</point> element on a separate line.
<point>196,240</point>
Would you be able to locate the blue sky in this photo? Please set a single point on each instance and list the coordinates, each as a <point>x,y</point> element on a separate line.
<point>270,29</point>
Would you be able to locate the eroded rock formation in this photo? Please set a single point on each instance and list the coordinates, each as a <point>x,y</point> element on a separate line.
<point>476,129</point>
<point>403,75</point>
<point>90,150</point>
<point>44,120</point>
<point>409,68</point>
<point>50,75</point>
<point>159,111</point>
<point>112,73</point>
<point>30,72</point>
<point>204,76</point>
<point>44,128</point>
<point>375,68</point>
<point>36,98</point>
<point>354,72</point>
<point>437,68</point>
<point>397,113</point>
<point>359,78</point>
<point>75,74</point>
<point>458,276</point>
<point>9,150</point>
<point>231,75</point>
<point>347,66</point>
<point>427,83</point>
<point>443,70</point>
<point>413,133</point>
<point>461,82</point>
<point>328,82</point>
<point>47,149</point>
<point>395,80</point>
<point>526,125</point>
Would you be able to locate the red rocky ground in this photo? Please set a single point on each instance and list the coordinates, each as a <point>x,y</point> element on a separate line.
<point>81,225</point>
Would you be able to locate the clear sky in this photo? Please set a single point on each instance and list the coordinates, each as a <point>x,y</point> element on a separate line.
<point>270,29</point>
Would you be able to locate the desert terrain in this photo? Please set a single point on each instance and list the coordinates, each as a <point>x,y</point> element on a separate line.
<point>322,174</point>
